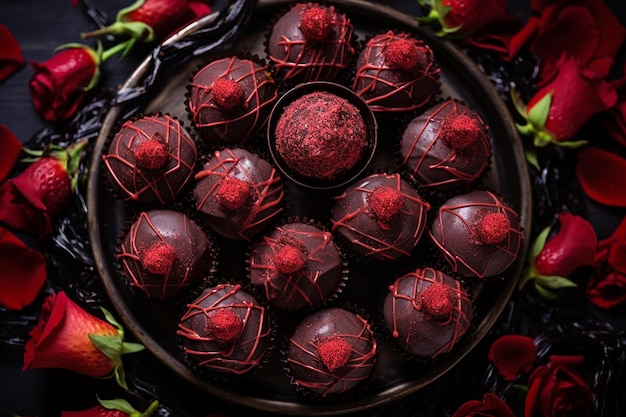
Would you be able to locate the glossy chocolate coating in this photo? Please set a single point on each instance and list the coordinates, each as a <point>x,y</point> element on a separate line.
<point>307,368</point>
<point>364,233</point>
<point>432,161</point>
<point>316,281</point>
<point>237,125</point>
<point>194,258</point>
<point>454,233</point>
<point>297,59</point>
<point>262,207</point>
<point>412,327</point>
<point>237,357</point>
<point>133,183</point>
<point>386,89</point>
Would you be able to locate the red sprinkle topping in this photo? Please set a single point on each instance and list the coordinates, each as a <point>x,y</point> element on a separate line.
<point>460,132</point>
<point>436,301</point>
<point>152,153</point>
<point>315,24</point>
<point>224,325</point>
<point>385,202</point>
<point>403,55</point>
<point>334,353</point>
<point>493,228</point>
<point>159,258</point>
<point>289,259</point>
<point>233,193</point>
<point>227,94</point>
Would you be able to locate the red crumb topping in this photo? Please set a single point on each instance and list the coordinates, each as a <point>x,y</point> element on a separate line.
<point>493,228</point>
<point>227,94</point>
<point>334,353</point>
<point>223,325</point>
<point>460,132</point>
<point>159,258</point>
<point>403,55</point>
<point>233,193</point>
<point>289,259</point>
<point>151,154</point>
<point>385,202</point>
<point>436,301</point>
<point>315,24</point>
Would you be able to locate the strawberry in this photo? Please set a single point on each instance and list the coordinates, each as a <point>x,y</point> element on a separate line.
<point>462,17</point>
<point>29,201</point>
<point>112,408</point>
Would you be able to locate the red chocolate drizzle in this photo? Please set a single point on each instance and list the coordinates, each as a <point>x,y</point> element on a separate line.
<point>425,320</point>
<point>315,24</point>
<point>227,94</point>
<point>148,185</point>
<point>453,232</point>
<point>387,89</point>
<point>207,349</point>
<point>159,258</point>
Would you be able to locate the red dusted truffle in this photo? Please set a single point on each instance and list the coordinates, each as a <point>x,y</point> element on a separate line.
<point>385,202</point>
<point>233,193</point>
<point>403,55</point>
<point>224,325</point>
<point>289,259</point>
<point>334,353</point>
<point>321,136</point>
<point>151,154</point>
<point>461,131</point>
<point>493,228</point>
<point>436,301</point>
<point>227,94</point>
<point>315,24</point>
<point>159,258</point>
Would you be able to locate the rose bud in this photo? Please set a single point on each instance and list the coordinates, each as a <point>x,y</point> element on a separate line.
<point>559,109</point>
<point>559,251</point>
<point>112,408</point>
<point>152,20</point>
<point>462,17</point>
<point>69,337</point>
<point>490,406</point>
<point>557,390</point>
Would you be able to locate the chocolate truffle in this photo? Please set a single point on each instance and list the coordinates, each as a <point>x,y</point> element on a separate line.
<point>310,42</point>
<point>477,233</point>
<point>164,252</point>
<point>297,265</point>
<point>427,312</point>
<point>380,217</point>
<point>150,159</point>
<point>396,72</point>
<point>224,330</point>
<point>230,99</point>
<point>321,136</point>
<point>239,193</point>
<point>331,351</point>
<point>446,147</point>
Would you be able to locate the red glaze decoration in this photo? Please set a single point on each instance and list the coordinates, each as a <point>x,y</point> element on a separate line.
<point>315,24</point>
<point>427,312</point>
<point>289,259</point>
<point>151,154</point>
<point>204,350</point>
<point>385,202</point>
<point>224,325</point>
<point>493,228</point>
<point>334,353</point>
<point>233,194</point>
<point>402,55</point>
<point>159,258</point>
<point>460,132</point>
<point>227,94</point>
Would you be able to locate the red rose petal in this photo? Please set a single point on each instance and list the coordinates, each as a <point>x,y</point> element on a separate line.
<point>512,354</point>
<point>23,272</point>
<point>11,58</point>
<point>601,174</point>
<point>11,148</point>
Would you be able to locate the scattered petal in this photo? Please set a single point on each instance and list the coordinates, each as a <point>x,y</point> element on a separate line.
<point>600,174</point>
<point>11,58</point>
<point>512,354</point>
<point>11,148</point>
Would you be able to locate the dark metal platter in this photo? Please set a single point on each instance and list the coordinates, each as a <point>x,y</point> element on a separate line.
<point>153,323</point>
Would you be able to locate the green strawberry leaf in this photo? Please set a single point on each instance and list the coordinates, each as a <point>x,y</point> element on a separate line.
<point>571,144</point>
<point>120,375</point>
<point>538,244</point>
<point>119,404</point>
<point>538,115</point>
<point>545,293</point>
<point>111,346</point>
<point>518,103</point>
<point>531,158</point>
<point>128,347</point>
<point>554,282</point>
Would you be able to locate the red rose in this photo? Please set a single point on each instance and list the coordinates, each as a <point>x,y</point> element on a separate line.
<point>557,390</point>
<point>58,85</point>
<point>11,58</point>
<point>460,18</point>
<point>600,174</point>
<point>512,354</point>
<point>490,406</point>
<point>69,337</point>
<point>607,287</point>
<point>11,149</point>
<point>559,109</point>
<point>23,272</point>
